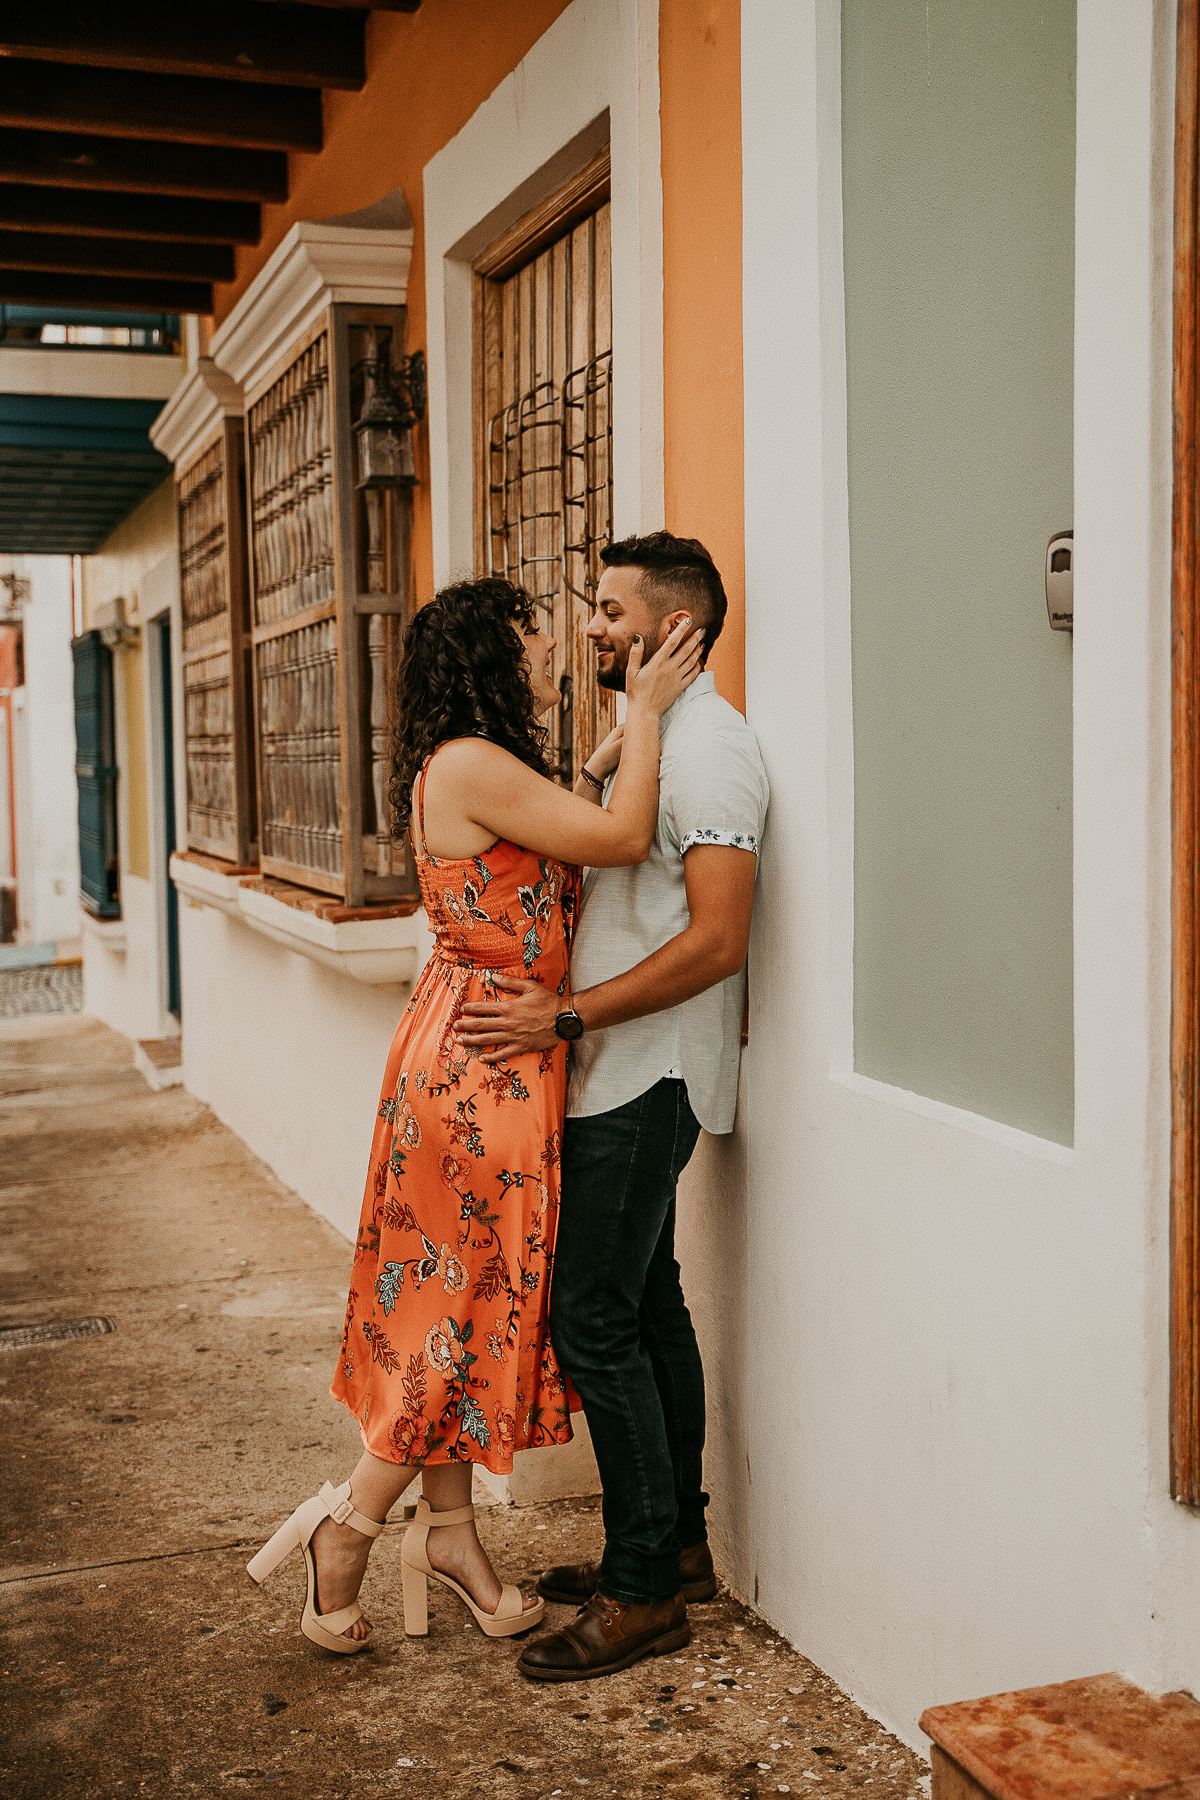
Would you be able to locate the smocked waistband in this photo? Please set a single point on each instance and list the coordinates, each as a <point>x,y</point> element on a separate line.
<point>456,959</point>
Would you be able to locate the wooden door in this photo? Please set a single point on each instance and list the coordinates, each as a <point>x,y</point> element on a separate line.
<point>1185,786</point>
<point>543,486</point>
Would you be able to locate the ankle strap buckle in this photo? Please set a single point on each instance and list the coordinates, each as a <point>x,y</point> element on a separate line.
<point>341,1513</point>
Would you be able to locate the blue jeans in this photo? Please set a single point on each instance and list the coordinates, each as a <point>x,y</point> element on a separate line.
<point>622,1332</point>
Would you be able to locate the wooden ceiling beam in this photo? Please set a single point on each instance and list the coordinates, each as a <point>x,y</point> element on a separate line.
<point>177,221</point>
<point>181,109</point>
<point>226,38</point>
<point>39,287</point>
<point>61,252</point>
<point>122,165</point>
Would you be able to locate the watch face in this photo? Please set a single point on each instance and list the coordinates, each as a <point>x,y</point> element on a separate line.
<point>569,1025</point>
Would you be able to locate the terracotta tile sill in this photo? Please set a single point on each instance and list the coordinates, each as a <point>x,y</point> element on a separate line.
<point>1076,1740</point>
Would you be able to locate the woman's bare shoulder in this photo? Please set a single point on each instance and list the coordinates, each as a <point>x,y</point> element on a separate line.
<point>469,756</point>
<point>470,774</point>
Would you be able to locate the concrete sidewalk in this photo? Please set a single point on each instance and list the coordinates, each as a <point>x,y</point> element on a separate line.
<point>144,1464</point>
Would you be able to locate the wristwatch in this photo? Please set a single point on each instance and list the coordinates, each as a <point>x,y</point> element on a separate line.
<point>569,1026</point>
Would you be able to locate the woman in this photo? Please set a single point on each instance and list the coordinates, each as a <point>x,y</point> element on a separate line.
<point>445,1357</point>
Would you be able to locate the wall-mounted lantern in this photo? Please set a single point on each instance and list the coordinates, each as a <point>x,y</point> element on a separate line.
<point>383,430</point>
<point>116,633</point>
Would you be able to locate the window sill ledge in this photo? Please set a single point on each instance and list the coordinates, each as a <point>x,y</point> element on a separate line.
<point>109,932</point>
<point>206,881</point>
<point>381,946</point>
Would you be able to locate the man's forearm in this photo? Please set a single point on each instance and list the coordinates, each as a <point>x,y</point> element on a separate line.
<point>683,968</point>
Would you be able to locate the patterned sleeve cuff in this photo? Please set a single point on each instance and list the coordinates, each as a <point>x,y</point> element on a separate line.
<point>733,840</point>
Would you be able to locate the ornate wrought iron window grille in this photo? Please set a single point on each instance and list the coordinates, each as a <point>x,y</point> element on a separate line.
<point>546,451</point>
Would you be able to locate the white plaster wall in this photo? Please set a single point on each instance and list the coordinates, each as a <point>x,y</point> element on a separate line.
<point>936,1346</point>
<point>288,1054</point>
<point>106,374</point>
<point>47,817</point>
<point>121,984</point>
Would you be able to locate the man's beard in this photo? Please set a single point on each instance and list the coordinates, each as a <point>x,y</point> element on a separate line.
<point>613,677</point>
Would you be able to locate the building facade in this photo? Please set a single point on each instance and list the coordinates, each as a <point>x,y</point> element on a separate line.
<point>877,302</point>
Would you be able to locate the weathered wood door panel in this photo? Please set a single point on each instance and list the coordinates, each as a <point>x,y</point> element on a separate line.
<point>1185,796</point>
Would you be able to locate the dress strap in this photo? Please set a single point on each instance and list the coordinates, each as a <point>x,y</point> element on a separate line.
<point>421,849</point>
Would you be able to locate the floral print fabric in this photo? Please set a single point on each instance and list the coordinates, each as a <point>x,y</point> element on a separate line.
<point>445,1355</point>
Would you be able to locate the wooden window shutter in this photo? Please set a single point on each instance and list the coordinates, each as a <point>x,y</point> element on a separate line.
<point>216,668</point>
<point>96,777</point>
<point>330,588</point>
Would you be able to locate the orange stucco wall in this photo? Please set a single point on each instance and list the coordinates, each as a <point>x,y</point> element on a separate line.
<point>703,425</point>
<point>427,72</point>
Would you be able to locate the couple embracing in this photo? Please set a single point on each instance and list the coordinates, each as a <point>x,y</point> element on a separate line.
<point>548,1081</point>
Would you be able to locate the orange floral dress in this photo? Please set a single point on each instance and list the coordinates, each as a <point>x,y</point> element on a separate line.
<point>445,1354</point>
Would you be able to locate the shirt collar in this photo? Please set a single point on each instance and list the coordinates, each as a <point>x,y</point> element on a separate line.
<point>705,683</point>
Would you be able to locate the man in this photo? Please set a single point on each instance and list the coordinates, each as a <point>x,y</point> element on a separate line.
<point>655,1019</point>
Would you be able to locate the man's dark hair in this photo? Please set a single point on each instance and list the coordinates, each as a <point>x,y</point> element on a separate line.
<point>678,574</point>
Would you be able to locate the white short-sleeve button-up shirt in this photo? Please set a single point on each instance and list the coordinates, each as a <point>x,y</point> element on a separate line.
<point>712,790</point>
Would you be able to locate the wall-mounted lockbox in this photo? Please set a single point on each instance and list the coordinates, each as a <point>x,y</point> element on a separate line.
<point>1060,589</point>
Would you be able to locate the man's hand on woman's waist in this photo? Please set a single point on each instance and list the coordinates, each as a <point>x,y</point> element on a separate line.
<point>720,894</point>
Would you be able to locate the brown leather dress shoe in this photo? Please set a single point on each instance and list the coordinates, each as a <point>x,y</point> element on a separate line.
<point>572,1584</point>
<point>606,1636</point>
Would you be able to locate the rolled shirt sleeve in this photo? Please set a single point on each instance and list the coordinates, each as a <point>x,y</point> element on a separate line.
<point>716,792</point>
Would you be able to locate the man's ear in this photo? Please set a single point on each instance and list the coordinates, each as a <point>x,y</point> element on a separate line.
<point>667,624</point>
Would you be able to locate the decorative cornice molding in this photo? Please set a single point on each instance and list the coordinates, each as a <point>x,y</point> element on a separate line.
<point>315,266</point>
<point>202,398</point>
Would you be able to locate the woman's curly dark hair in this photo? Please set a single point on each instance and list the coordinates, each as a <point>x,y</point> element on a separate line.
<point>463,673</point>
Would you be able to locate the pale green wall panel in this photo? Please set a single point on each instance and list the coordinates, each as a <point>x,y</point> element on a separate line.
<point>958,122</point>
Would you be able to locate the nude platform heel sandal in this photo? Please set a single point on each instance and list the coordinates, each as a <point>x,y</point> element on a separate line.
<point>510,1617</point>
<point>295,1533</point>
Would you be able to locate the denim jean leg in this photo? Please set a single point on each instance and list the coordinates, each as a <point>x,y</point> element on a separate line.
<point>669,1336</point>
<point>617,1186</point>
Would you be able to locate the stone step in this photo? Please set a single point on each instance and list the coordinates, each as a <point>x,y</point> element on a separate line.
<point>160,1061</point>
<point>1091,1739</point>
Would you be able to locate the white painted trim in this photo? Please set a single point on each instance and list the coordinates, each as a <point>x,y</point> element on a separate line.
<point>109,932</point>
<point>835,526</point>
<point>379,952</point>
<point>202,886</point>
<point>316,265</point>
<point>94,374</point>
<point>202,398</point>
<point>154,1077</point>
<point>599,59</point>
<point>937,1112</point>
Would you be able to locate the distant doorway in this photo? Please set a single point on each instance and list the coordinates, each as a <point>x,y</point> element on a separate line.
<point>163,629</point>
